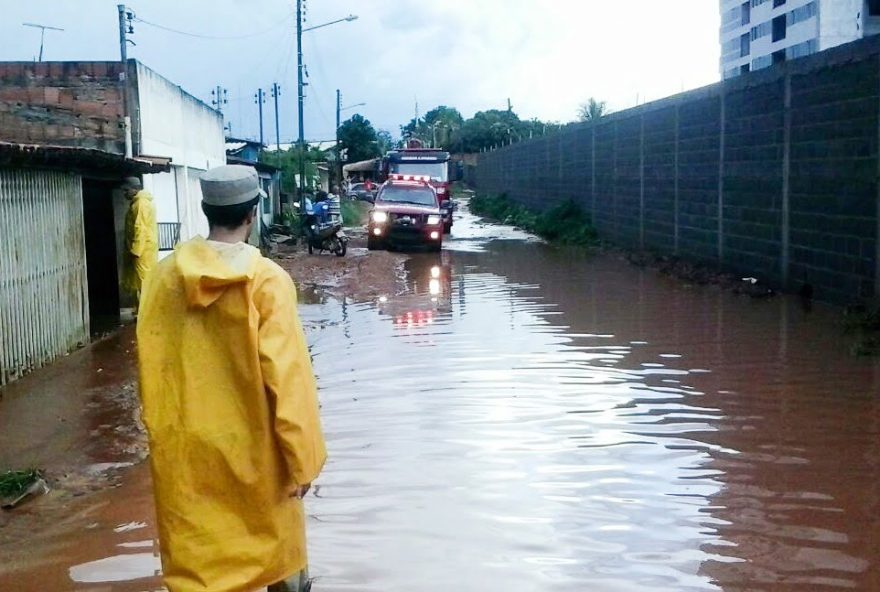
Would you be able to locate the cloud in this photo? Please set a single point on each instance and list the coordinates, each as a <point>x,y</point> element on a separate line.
<point>546,56</point>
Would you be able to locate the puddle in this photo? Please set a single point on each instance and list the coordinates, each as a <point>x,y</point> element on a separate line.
<point>120,568</point>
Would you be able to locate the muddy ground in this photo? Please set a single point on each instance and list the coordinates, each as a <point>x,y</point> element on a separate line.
<point>360,275</point>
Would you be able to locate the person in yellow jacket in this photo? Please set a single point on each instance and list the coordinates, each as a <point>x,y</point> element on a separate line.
<point>141,237</point>
<point>230,405</point>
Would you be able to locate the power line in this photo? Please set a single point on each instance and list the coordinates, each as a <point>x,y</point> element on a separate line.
<point>215,37</point>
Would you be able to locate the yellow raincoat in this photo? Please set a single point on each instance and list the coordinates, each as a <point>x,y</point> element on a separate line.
<point>230,405</point>
<point>141,241</point>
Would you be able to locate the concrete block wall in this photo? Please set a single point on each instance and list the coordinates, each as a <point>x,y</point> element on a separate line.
<point>63,104</point>
<point>773,174</point>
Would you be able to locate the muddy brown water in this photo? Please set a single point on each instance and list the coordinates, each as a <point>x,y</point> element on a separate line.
<point>522,418</point>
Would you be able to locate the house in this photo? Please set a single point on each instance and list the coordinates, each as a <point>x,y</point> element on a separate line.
<point>62,225</point>
<point>323,176</point>
<point>124,109</point>
<point>70,132</point>
<point>247,152</point>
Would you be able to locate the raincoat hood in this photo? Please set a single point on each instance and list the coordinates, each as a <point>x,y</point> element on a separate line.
<point>208,268</point>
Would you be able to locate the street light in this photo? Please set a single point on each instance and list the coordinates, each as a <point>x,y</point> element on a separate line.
<point>300,85</point>
<point>349,18</point>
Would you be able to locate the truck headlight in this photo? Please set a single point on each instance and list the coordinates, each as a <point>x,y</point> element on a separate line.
<point>434,220</point>
<point>380,217</point>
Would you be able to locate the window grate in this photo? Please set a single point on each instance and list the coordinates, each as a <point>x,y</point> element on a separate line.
<point>169,235</point>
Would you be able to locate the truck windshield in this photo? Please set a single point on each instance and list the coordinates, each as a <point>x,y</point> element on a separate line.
<point>414,195</point>
<point>436,170</point>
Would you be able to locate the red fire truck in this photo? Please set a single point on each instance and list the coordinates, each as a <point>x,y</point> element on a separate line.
<point>426,162</point>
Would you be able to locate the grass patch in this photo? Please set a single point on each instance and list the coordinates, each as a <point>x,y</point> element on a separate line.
<point>14,483</point>
<point>565,224</point>
<point>460,190</point>
<point>355,212</point>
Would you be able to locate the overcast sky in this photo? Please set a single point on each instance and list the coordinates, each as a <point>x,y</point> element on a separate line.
<point>547,56</point>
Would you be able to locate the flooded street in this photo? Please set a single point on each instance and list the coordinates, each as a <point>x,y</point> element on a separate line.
<point>518,417</point>
<point>546,422</point>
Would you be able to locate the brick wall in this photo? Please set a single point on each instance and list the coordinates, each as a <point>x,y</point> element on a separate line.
<point>62,104</point>
<point>773,174</point>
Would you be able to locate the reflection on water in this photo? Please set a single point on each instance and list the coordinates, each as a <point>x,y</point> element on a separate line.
<point>571,425</point>
<point>119,568</point>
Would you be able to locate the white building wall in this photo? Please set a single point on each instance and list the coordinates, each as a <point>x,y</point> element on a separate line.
<point>835,22</point>
<point>840,21</point>
<point>174,124</point>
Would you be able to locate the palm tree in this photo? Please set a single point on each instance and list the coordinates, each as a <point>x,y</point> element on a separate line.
<point>592,110</point>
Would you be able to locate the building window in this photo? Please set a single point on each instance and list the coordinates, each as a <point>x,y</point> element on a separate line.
<point>746,13</point>
<point>745,45</point>
<point>761,62</point>
<point>799,15</point>
<point>779,28</point>
<point>731,20</point>
<point>802,49</point>
<point>744,69</point>
<point>761,30</point>
<point>873,7</point>
<point>778,56</point>
<point>777,3</point>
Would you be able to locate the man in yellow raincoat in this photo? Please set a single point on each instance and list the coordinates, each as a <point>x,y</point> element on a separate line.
<point>141,237</point>
<point>230,405</point>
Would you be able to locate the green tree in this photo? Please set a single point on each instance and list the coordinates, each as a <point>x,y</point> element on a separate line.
<point>593,110</point>
<point>289,163</point>
<point>490,128</point>
<point>385,141</point>
<point>437,128</point>
<point>359,139</point>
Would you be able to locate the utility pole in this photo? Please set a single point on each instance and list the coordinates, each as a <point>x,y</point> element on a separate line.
<point>124,32</point>
<point>125,29</point>
<point>509,106</point>
<point>260,99</point>
<point>123,40</point>
<point>220,98</point>
<point>300,93</point>
<point>42,29</point>
<point>338,123</point>
<point>276,92</point>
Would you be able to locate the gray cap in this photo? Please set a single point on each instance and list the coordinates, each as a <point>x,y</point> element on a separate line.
<point>132,183</point>
<point>230,185</point>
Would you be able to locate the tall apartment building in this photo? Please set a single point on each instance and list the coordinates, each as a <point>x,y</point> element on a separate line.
<point>758,33</point>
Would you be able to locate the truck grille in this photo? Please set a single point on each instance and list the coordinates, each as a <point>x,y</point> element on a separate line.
<point>417,219</point>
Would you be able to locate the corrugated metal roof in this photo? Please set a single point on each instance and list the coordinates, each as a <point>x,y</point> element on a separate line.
<point>76,158</point>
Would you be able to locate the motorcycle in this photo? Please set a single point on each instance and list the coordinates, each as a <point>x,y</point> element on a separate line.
<point>323,229</point>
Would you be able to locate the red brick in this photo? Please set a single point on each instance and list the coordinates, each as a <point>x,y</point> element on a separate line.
<point>65,98</point>
<point>111,111</point>
<point>35,95</point>
<point>51,95</point>
<point>89,108</point>
<point>14,94</point>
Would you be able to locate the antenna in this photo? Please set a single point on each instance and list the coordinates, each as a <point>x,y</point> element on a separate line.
<point>42,29</point>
